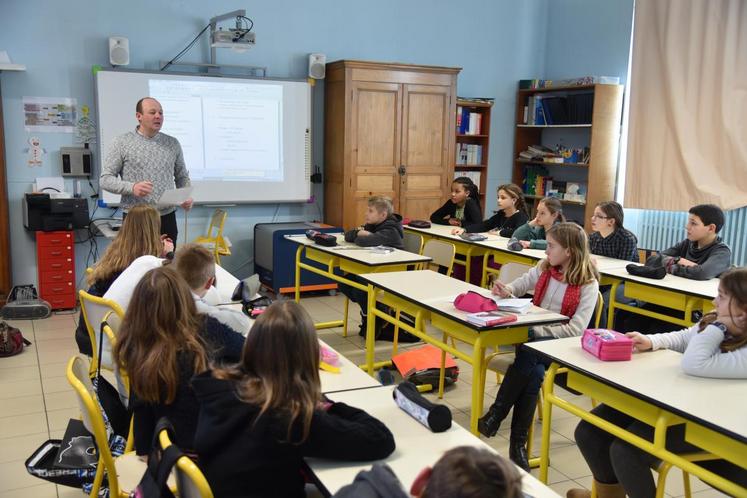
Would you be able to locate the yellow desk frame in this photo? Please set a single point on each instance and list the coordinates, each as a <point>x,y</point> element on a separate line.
<point>480,340</point>
<point>332,262</point>
<point>708,439</point>
<point>676,300</point>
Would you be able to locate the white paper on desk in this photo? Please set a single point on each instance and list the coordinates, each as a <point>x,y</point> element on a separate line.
<point>514,305</point>
<point>175,197</point>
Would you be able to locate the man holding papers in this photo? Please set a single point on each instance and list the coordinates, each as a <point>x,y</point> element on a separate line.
<point>144,163</point>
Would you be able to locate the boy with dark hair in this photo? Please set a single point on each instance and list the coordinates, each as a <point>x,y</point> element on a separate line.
<point>702,255</point>
<point>462,472</point>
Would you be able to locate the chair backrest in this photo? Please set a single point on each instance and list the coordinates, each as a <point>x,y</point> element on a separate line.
<point>217,220</point>
<point>93,420</point>
<point>511,271</point>
<point>413,242</point>
<point>120,374</point>
<point>598,310</point>
<point>190,481</point>
<point>441,253</point>
<point>94,309</point>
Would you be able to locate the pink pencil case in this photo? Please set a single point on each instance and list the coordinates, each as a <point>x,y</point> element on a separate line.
<point>607,345</point>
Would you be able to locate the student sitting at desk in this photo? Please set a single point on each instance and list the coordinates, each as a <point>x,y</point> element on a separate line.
<point>161,344</point>
<point>610,238</point>
<point>565,283</point>
<point>532,234</point>
<point>702,255</point>
<point>382,228</point>
<point>463,208</point>
<point>512,213</point>
<point>140,235</point>
<point>259,419</point>
<point>715,347</point>
<point>462,472</point>
<point>196,265</point>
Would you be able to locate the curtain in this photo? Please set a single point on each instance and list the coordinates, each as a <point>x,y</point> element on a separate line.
<point>687,135</point>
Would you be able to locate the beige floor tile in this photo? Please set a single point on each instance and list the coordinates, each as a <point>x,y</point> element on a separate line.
<point>22,405</point>
<point>585,482</point>
<point>68,492</point>
<point>66,334</point>
<point>554,476</point>
<point>27,358</point>
<point>20,447</point>
<point>61,355</point>
<point>709,493</point>
<point>675,485</point>
<point>569,461</point>
<point>55,385</point>
<point>22,425</point>
<point>58,419</point>
<point>29,372</point>
<point>56,345</point>
<point>42,326</point>
<point>53,369</point>
<point>60,400</point>
<point>562,487</point>
<point>19,388</point>
<point>44,490</point>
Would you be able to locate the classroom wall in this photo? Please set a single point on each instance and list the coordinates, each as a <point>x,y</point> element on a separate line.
<point>60,41</point>
<point>495,42</point>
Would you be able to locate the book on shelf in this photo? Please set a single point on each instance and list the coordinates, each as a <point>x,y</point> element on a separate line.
<point>468,154</point>
<point>468,123</point>
<point>491,318</point>
<point>477,100</point>
<point>584,80</point>
<point>472,175</point>
<point>561,108</point>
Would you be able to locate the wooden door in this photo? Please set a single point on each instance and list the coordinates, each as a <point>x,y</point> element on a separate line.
<point>427,144</point>
<point>376,115</point>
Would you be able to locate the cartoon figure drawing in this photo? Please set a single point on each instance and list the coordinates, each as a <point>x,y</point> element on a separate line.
<point>35,152</point>
<point>85,129</point>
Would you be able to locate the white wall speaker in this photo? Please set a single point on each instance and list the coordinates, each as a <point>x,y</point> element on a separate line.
<point>317,66</point>
<point>119,51</point>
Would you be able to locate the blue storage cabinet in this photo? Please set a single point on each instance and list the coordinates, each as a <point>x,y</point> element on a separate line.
<point>275,257</point>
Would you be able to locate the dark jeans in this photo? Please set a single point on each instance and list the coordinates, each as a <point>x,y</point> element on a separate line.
<point>356,295</point>
<point>532,365</point>
<point>168,225</point>
<point>612,460</point>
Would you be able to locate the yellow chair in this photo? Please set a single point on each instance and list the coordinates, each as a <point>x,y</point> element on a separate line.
<point>214,239</point>
<point>441,254</point>
<point>413,242</point>
<point>123,472</point>
<point>94,309</point>
<point>190,481</point>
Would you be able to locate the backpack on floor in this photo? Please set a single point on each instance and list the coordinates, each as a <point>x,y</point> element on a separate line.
<point>11,340</point>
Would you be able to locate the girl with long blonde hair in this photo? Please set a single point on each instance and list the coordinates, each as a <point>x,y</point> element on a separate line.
<point>259,419</point>
<point>565,282</point>
<point>162,342</point>
<point>140,235</point>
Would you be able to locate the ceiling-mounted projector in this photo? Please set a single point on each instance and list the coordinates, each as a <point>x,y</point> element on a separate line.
<point>232,38</point>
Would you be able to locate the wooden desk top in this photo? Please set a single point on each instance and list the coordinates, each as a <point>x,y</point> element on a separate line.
<point>417,446</point>
<point>362,255</point>
<point>657,378</point>
<point>436,292</point>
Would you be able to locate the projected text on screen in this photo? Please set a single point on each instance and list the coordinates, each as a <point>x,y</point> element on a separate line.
<point>228,131</point>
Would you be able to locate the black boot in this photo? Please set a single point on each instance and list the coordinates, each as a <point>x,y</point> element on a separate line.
<point>512,386</point>
<point>520,422</point>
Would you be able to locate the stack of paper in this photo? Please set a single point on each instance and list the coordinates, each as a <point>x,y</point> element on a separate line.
<point>514,305</point>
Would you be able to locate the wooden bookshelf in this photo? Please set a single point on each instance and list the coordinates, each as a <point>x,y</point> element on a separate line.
<point>602,136</point>
<point>482,139</point>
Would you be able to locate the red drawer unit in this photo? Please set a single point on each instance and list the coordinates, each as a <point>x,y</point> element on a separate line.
<point>55,261</point>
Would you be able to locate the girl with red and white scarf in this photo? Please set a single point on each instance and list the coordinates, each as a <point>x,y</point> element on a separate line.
<point>566,282</point>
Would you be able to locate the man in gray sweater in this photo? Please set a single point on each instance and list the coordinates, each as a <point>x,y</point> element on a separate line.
<point>142,164</point>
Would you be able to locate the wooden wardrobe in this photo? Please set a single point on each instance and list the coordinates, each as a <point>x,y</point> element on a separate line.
<point>5,270</point>
<point>389,130</point>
